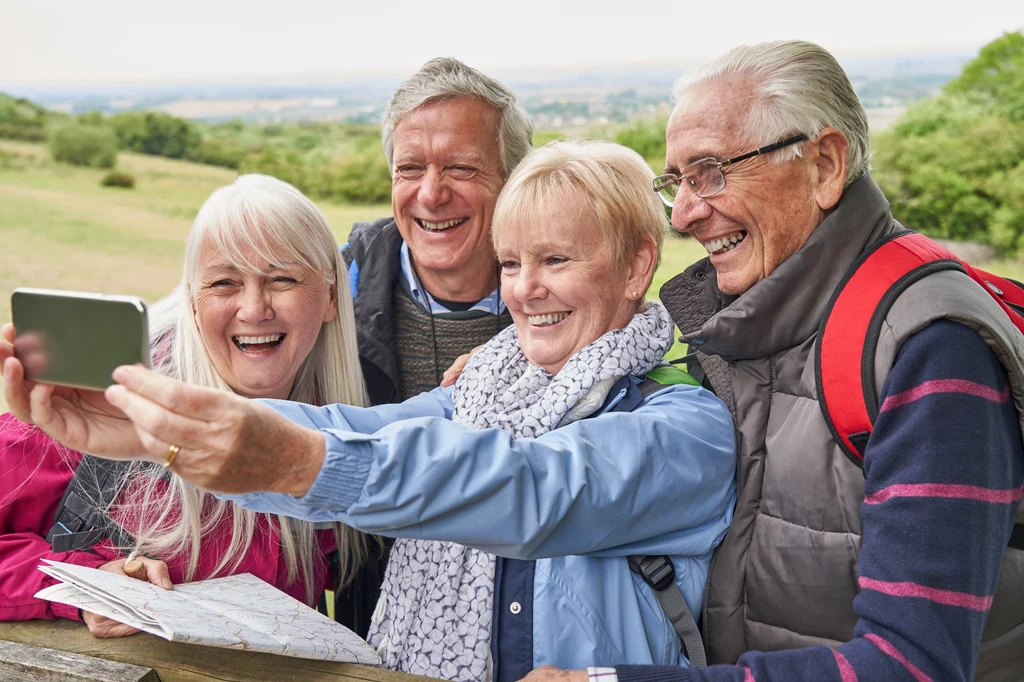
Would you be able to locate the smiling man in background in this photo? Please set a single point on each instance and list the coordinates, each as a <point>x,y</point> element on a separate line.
<point>425,281</point>
<point>890,565</point>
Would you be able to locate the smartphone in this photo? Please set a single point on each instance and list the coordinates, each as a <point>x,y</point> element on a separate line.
<point>77,339</point>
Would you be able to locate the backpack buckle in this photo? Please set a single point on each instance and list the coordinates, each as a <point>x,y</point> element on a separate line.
<point>657,571</point>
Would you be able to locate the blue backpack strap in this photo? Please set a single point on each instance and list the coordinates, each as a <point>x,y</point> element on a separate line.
<point>658,571</point>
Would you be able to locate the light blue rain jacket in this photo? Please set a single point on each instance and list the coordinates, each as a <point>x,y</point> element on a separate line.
<point>657,480</point>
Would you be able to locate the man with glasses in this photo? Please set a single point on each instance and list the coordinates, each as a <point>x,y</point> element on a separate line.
<point>833,569</point>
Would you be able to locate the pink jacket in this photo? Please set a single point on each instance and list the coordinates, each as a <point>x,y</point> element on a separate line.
<point>35,471</point>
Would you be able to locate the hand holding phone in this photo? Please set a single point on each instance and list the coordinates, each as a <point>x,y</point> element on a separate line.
<point>77,339</point>
<point>79,418</point>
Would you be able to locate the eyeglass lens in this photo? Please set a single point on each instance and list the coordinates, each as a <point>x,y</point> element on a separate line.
<point>704,178</point>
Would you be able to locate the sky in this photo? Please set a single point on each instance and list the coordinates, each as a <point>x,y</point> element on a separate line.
<point>127,42</point>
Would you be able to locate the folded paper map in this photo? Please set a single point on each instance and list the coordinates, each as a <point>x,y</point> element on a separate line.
<point>236,612</point>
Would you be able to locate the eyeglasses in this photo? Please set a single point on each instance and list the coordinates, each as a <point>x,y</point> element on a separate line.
<point>705,176</point>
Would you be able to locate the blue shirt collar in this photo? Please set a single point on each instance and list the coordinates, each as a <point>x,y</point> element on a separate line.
<point>491,303</point>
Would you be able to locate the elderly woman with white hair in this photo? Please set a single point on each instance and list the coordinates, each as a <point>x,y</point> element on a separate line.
<point>519,494</point>
<point>263,311</point>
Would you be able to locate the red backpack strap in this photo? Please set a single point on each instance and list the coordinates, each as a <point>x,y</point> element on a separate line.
<point>849,331</point>
<point>1006,292</point>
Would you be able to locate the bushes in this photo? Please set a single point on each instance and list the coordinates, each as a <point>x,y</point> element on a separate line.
<point>84,145</point>
<point>118,179</point>
<point>22,120</point>
<point>953,166</point>
<point>219,152</point>
<point>996,77</point>
<point>24,133</point>
<point>646,137</point>
<point>157,133</point>
<point>360,177</point>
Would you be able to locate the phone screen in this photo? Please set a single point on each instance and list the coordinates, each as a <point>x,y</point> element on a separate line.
<point>77,339</point>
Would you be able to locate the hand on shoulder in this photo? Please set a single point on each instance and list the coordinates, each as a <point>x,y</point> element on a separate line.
<point>549,673</point>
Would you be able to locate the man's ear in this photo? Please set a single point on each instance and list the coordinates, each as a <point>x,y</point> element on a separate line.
<point>830,161</point>
<point>640,268</point>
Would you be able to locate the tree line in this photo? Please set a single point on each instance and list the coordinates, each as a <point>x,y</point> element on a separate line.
<point>952,166</point>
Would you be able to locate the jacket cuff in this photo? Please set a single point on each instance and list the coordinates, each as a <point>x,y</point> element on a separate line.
<point>652,673</point>
<point>65,611</point>
<point>343,476</point>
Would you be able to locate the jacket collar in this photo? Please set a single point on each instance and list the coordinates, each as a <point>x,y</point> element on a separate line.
<point>784,309</point>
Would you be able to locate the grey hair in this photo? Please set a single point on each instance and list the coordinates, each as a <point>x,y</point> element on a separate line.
<point>448,78</point>
<point>262,215</point>
<point>796,87</point>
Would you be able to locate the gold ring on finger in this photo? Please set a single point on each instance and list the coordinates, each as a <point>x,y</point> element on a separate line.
<point>172,452</point>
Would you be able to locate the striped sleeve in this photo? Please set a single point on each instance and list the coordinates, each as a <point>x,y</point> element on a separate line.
<point>943,476</point>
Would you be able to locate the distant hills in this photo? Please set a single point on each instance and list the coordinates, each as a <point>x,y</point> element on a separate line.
<point>558,98</point>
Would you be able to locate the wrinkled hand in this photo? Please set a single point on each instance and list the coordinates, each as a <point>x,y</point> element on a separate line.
<point>549,673</point>
<point>452,374</point>
<point>80,419</point>
<point>226,443</point>
<point>101,626</point>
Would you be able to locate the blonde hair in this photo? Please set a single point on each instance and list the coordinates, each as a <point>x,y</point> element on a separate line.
<point>611,181</point>
<point>258,215</point>
<point>797,87</point>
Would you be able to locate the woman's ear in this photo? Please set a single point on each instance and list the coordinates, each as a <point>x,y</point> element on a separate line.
<point>640,269</point>
<point>332,304</point>
<point>829,154</point>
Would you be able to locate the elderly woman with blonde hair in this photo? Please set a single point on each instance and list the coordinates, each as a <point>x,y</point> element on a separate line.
<point>518,495</point>
<point>263,310</point>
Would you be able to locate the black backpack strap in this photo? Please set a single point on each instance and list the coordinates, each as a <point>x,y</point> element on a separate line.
<point>660,574</point>
<point>1017,537</point>
<point>648,387</point>
<point>658,571</point>
<point>81,518</point>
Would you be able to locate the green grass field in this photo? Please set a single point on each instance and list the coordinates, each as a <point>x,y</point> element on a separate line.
<point>60,229</point>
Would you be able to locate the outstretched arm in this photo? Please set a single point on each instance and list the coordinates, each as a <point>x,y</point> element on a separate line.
<point>229,444</point>
<point>660,478</point>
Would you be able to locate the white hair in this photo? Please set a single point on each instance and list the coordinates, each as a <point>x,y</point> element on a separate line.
<point>796,87</point>
<point>264,216</point>
<point>446,78</point>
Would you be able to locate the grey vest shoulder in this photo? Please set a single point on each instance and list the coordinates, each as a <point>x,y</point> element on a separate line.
<point>798,490</point>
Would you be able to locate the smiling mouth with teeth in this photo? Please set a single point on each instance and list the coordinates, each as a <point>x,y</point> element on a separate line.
<point>727,243</point>
<point>546,320</point>
<point>439,227</point>
<point>256,344</point>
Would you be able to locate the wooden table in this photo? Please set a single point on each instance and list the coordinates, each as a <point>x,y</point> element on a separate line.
<point>176,662</point>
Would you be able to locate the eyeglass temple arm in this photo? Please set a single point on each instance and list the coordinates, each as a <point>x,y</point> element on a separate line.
<point>764,150</point>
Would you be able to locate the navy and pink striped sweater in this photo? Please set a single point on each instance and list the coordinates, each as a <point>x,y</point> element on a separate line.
<point>943,477</point>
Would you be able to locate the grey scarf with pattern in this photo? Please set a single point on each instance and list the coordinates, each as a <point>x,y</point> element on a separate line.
<point>436,607</point>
